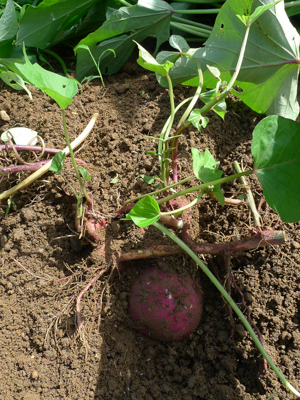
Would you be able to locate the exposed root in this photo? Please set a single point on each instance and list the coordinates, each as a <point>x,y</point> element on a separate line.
<point>29,272</point>
<point>101,296</point>
<point>94,222</point>
<point>261,239</point>
<point>80,325</point>
<point>54,324</point>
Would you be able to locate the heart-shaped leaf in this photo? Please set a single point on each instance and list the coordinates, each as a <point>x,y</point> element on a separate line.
<point>145,212</point>
<point>276,152</point>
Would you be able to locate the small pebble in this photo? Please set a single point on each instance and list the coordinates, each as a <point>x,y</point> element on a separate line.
<point>34,374</point>
<point>121,88</point>
<point>4,116</point>
<point>60,221</point>
<point>295,245</point>
<point>249,298</point>
<point>240,330</point>
<point>28,214</point>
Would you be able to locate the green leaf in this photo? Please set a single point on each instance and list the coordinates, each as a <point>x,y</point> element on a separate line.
<point>219,108</point>
<point>179,43</point>
<point>276,152</point>
<point>259,11</point>
<point>149,179</point>
<point>114,180</point>
<point>61,89</point>
<point>10,204</point>
<point>249,19</point>
<point>198,120</point>
<point>269,73</point>
<point>217,192</point>
<point>8,22</point>
<point>205,166</point>
<point>145,212</point>
<point>86,176</point>
<point>293,10</point>
<point>148,62</point>
<point>57,162</point>
<point>41,25</point>
<point>15,81</point>
<point>95,17</point>
<point>147,18</point>
<point>214,71</point>
<point>244,18</point>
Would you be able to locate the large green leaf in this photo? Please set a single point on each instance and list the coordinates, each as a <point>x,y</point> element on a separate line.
<point>148,17</point>
<point>8,22</point>
<point>95,17</point>
<point>276,152</point>
<point>60,88</point>
<point>269,73</point>
<point>41,25</point>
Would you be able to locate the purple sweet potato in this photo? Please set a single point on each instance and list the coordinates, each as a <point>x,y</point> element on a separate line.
<point>165,306</point>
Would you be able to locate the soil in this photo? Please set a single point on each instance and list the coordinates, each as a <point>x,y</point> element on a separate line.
<point>43,356</point>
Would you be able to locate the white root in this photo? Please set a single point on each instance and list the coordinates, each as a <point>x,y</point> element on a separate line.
<point>37,174</point>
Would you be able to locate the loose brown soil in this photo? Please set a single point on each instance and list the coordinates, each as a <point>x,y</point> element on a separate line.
<point>42,355</point>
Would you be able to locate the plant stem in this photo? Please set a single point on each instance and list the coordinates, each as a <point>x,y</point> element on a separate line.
<point>206,28</point>
<point>162,134</point>
<point>249,195</point>
<point>230,301</point>
<point>290,4</point>
<point>202,11</point>
<point>59,59</point>
<point>22,147</point>
<point>182,123</point>
<point>81,183</point>
<point>165,145</point>
<point>204,186</point>
<point>178,210</point>
<point>208,106</point>
<point>262,239</point>
<point>225,93</point>
<point>125,3</point>
<point>175,151</point>
<point>193,30</point>
<point>159,190</point>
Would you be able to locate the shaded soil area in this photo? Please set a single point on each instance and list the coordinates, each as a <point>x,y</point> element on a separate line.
<point>42,354</point>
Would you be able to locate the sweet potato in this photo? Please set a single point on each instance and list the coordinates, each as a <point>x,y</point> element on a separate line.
<point>165,306</point>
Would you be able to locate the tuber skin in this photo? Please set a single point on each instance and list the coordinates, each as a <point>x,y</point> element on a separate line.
<point>165,306</point>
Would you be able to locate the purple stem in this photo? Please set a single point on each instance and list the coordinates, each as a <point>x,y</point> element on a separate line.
<point>32,167</point>
<point>21,168</point>
<point>21,147</point>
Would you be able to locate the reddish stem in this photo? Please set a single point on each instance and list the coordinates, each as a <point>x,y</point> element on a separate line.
<point>23,168</point>
<point>262,239</point>
<point>22,147</point>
